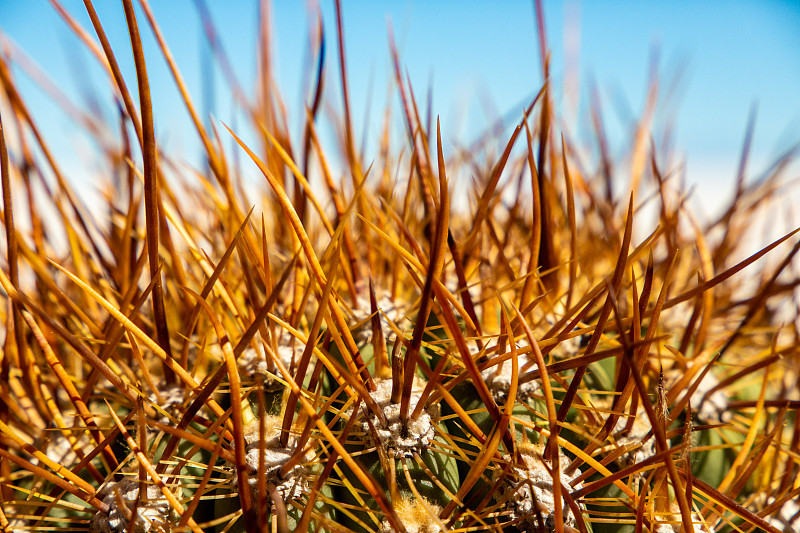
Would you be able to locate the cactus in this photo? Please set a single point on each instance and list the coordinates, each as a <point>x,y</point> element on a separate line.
<point>367,356</point>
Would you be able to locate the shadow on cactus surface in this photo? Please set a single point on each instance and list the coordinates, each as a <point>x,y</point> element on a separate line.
<point>362,354</point>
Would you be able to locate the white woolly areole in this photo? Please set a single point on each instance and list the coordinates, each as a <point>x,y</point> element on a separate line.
<point>634,436</point>
<point>151,515</point>
<point>59,449</point>
<point>529,489</point>
<point>295,482</point>
<point>420,431</point>
<point>498,379</point>
<point>498,376</point>
<point>292,486</point>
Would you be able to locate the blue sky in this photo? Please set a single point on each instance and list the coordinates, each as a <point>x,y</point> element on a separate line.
<point>482,59</point>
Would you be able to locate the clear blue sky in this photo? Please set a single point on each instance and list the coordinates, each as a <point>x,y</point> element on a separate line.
<point>726,56</point>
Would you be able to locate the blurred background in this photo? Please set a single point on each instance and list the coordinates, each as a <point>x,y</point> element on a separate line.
<point>716,62</point>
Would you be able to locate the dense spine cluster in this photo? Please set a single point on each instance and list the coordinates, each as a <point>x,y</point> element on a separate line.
<point>361,355</point>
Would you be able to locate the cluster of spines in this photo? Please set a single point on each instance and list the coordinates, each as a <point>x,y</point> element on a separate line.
<point>247,392</point>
